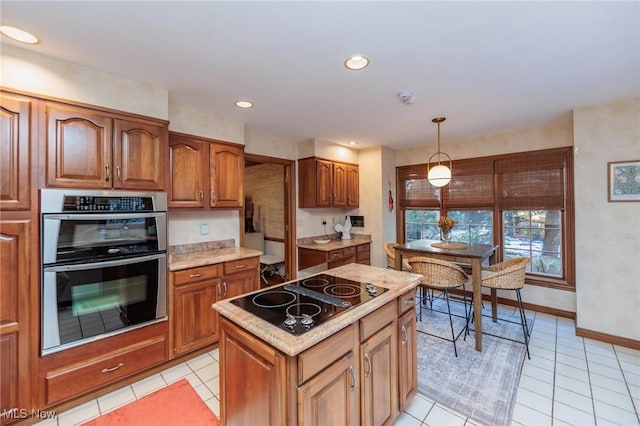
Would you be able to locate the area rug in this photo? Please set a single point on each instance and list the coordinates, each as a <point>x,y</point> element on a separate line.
<point>176,405</point>
<point>482,385</point>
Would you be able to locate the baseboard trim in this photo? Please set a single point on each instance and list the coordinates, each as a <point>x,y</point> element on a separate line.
<point>608,338</point>
<point>580,332</point>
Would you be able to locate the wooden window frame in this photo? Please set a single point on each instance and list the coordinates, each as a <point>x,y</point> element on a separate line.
<point>525,172</point>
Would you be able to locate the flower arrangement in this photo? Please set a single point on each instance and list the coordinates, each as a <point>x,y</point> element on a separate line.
<point>446,224</point>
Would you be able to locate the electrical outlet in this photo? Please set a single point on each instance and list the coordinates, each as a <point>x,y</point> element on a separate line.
<point>324,221</point>
<point>204,229</point>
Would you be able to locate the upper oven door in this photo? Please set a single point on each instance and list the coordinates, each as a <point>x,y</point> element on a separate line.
<point>81,237</point>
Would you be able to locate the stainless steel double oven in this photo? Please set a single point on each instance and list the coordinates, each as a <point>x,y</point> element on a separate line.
<point>104,264</point>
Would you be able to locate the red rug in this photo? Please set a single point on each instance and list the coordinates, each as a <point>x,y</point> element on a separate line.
<point>177,404</point>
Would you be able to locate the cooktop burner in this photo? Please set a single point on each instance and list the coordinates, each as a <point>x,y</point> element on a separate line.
<point>300,305</point>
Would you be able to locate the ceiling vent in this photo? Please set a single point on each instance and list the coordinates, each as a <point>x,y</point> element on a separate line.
<point>406,97</point>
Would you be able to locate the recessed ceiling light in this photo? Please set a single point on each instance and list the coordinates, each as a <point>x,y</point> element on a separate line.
<point>18,35</point>
<point>353,143</point>
<point>244,104</point>
<point>357,62</point>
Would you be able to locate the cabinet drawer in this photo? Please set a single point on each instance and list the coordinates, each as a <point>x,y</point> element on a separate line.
<point>241,265</point>
<point>363,257</point>
<point>348,251</point>
<point>193,275</point>
<point>82,377</point>
<point>406,301</point>
<point>376,320</point>
<point>335,254</point>
<point>363,248</point>
<point>314,360</point>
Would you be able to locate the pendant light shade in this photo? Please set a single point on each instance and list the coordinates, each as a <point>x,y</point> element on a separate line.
<point>439,174</point>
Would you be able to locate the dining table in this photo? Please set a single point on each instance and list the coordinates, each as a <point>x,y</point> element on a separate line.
<point>459,252</point>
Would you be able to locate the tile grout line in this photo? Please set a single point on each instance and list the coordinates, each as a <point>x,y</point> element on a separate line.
<point>626,383</point>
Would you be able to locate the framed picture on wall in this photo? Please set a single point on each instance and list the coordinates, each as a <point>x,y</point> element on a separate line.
<point>624,180</point>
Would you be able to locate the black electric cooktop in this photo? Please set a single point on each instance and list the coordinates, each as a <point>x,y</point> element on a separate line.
<point>300,305</point>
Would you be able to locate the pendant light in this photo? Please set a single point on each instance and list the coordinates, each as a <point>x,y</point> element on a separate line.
<point>439,175</point>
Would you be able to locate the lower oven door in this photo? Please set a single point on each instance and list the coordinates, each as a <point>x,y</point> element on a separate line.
<point>88,301</point>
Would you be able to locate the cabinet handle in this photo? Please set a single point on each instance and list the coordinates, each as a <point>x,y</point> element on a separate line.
<point>118,173</point>
<point>218,287</point>
<point>405,337</point>
<point>409,301</point>
<point>353,378</point>
<point>195,275</point>
<point>242,266</point>
<point>213,195</point>
<point>201,196</point>
<point>109,370</point>
<point>225,288</point>
<point>367,362</point>
<point>108,175</point>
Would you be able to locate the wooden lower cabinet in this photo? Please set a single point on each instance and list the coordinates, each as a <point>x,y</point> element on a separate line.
<point>195,323</point>
<point>15,377</point>
<point>350,378</point>
<point>254,376</point>
<point>308,257</point>
<point>407,358</point>
<point>71,373</point>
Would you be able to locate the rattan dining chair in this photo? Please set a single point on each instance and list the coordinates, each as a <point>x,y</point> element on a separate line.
<point>443,276</point>
<point>391,257</point>
<point>509,275</point>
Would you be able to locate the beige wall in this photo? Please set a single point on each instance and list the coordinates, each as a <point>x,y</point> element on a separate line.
<point>607,234</point>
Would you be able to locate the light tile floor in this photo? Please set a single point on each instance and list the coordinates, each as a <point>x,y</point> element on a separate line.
<point>568,381</point>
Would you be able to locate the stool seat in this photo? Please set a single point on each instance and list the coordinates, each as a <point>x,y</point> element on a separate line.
<point>270,264</point>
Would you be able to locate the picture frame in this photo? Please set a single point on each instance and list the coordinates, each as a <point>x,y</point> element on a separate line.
<point>623,181</point>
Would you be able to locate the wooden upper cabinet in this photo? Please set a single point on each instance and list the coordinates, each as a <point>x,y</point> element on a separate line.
<point>78,147</point>
<point>226,164</point>
<point>353,186</point>
<point>15,151</point>
<point>339,185</point>
<point>92,149</point>
<point>205,173</point>
<point>139,155</point>
<point>189,163</point>
<point>324,183</point>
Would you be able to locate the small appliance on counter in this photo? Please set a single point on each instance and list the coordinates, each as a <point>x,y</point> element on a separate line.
<point>345,229</point>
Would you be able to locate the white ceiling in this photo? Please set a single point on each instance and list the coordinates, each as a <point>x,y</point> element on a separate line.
<point>488,67</point>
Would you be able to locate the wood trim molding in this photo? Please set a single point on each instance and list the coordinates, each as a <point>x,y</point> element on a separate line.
<point>608,338</point>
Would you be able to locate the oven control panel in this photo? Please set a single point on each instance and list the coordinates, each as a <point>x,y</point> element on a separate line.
<point>75,203</point>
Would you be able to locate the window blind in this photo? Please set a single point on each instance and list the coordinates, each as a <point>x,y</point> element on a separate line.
<point>414,190</point>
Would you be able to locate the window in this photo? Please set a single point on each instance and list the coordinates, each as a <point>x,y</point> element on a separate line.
<point>522,202</point>
<point>536,234</point>
<point>422,225</point>
<point>474,226</point>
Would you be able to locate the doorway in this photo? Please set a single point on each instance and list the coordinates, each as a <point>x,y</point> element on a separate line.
<point>270,208</point>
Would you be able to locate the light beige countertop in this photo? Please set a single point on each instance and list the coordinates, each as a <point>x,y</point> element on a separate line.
<point>397,282</point>
<point>209,257</point>
<point>334,244</point>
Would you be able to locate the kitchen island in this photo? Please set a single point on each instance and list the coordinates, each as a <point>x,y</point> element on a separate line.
<point>357,367</point>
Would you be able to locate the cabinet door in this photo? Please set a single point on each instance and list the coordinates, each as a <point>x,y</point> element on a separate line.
<point>353,186</point>
<point>407,359</point>
<point>78,144</point>
<point>324,183</point>
<point>252,379</point>
<point>188,160</point>
<point>15,146</point>
<point>331,397</point>
<point>140,155</point>
<point>240,283</point>
<point>195,322</point>
<point>380,377</point>
<point>14,308</point>
<point>339,185</point>
<point>226,176</point>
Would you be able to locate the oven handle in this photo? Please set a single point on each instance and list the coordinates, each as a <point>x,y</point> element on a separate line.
<point>105,264</point>
<point>103,216</point>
